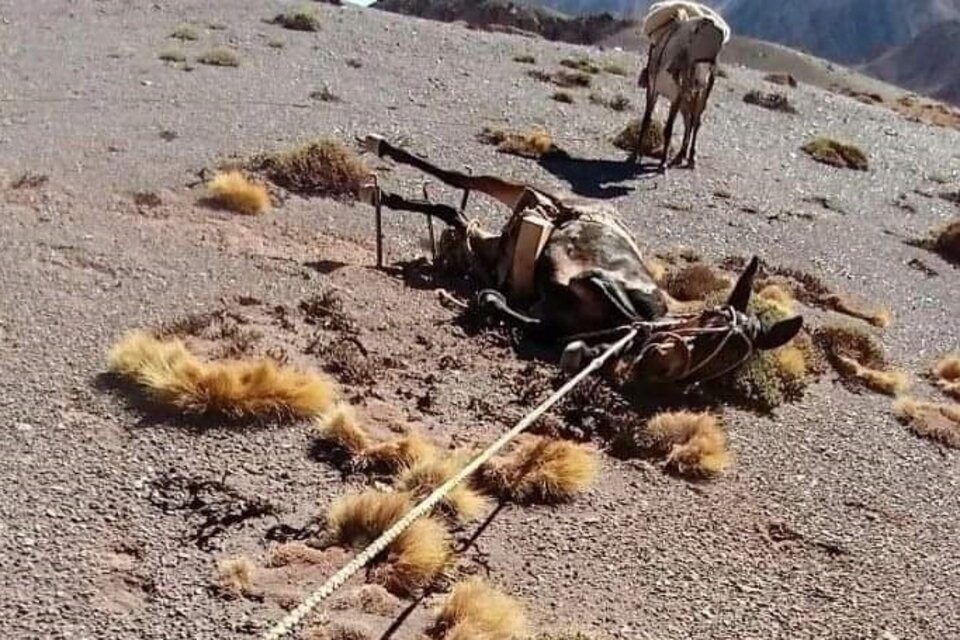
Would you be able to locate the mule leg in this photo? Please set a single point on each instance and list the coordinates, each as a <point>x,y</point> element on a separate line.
<point>445,213</point>
<point>701,107</point>
<point>637,154</point>
<point>505,191</point>
<point>668,133</point>
<point>687,126</point>
<point>493,299</point>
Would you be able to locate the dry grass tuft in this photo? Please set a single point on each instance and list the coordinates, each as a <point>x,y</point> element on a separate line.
<point>236,192</point>
<point>340,425</point>
<point>235,575</point>
<point>326,168</point>
<point>541,469</point>
<point>772,101</point>
<point>947,372</point>
<point>417,558</point>
<point>616,69</point>
<point>858,357</point>
<point>185,32</point>
<point>405,451</point>
<point>836,153</point>
<point>889,382</point>
<point>843,339</point>
<point>784,79</point>
<point>301,19</point>
<point>695,443</point>
<point>695,282</point>
<point>935,421</point>
<point>843,303</point>
<point>619,102</point>
<point>947,241</point>
<point>171,375</point>
<point>629,138</point>
<point>582,64</point>
<point>777,295</point>
<point>463,501</point>
<point>220,57</point>
<point>173,55</point>
<point>572,79</point>
<point>532,144</point>
<point>358,519</point>
<point>476,611</point>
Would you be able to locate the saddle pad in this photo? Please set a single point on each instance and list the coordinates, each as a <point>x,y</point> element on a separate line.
<point>663,13</point>
<point>532,237</point>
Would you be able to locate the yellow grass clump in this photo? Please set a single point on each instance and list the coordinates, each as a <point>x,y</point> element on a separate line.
<point>171,375</point>
<point>326,168</point>
<point>405,451</point>
<point>358,519</point>
<point>858,357</point>
<point>935,421</point>
<point>236,192</point>
<point>836,153</point>
<point>426,475</point>
<point>695,282</point>
<point>844,304</point>
<point>629,138</point>
<point>542,469</point>
<point>477,611</point>
<point>342,427</point>
<point>417,558</point>
<point>536,143</point>
<point>889,382</point>
<point>695,443</point>
<point>235,575</point>
<point>947,372</point>
<point>777,295</point>
<point>792,362</point>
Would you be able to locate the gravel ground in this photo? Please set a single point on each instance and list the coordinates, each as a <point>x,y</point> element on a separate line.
<point>86,551</point>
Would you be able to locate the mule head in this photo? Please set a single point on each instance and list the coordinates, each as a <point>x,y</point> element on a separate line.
<point>710,344</point>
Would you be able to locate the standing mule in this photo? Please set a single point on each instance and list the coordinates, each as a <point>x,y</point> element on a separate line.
<point>681,66</point>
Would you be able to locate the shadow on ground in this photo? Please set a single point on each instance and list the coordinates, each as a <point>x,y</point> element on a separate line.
<point>597,178</point>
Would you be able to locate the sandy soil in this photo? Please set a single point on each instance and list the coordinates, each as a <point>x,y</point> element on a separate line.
<point>836,522</point>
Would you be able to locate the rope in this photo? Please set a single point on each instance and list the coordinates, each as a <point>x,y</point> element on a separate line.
<point>295,617</point>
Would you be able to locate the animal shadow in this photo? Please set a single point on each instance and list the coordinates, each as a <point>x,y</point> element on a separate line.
<point>596,178</point>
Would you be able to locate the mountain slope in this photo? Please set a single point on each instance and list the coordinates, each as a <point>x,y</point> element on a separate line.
<point>923,64</point>
<point>847,31</point>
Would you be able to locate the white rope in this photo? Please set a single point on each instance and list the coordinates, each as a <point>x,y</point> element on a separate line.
<point>295,617</point>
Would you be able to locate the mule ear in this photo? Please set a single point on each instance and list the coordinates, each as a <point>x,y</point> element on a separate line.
<point>740,295</point>
<point>779,334</point>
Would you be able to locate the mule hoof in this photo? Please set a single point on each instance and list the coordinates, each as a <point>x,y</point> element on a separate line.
<point>571,361</point>
<point>490,298</point>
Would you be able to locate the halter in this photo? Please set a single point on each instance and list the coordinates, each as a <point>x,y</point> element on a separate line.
<point>678,332</point>
<point>738,326</point>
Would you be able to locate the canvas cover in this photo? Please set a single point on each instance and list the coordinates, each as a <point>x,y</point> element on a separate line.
<point>660,14</point>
